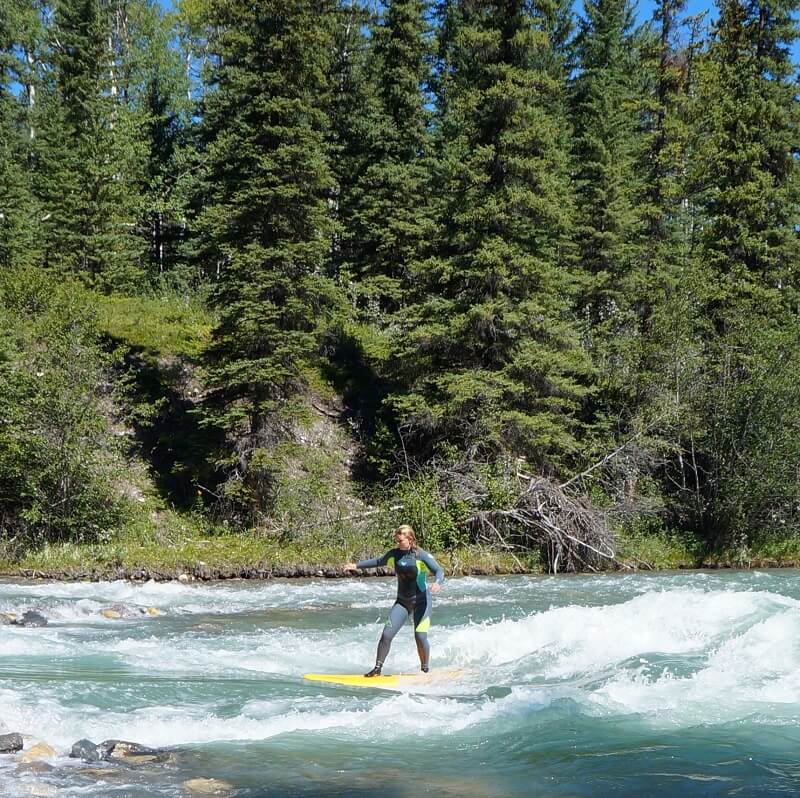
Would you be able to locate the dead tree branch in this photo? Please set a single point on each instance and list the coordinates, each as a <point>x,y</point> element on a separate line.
<point>574,535</point>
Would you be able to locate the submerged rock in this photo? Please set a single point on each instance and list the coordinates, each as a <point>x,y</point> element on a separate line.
<point>31,618</point>
<point>132,753</point>
<point>101,773</point>
<point>39,790</point>
<point>10,743</point>
<point>38,766</point>
<point>207,786</point>
<point>118,750</point>
<point>117,611</point>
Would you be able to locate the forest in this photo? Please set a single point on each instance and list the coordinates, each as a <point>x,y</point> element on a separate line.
<point>520,273</point>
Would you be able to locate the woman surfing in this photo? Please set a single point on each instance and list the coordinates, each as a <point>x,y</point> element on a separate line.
<point>411,565</point>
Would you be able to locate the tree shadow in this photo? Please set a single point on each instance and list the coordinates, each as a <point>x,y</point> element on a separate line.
<point>164,403</point>
<point>363,391</point>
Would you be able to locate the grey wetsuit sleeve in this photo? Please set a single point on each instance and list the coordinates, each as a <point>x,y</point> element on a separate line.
<point>433,566</point>
<point>376,562</point>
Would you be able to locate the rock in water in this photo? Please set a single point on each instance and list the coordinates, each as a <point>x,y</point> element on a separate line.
<point>37,752</point>
<point>207,786</point>
<point>10,743</point>
<point>100,773</point>
<point>39,790</point>
<point>37,767</point>
<point>132,753</point>
<point>31,618</point>
<point>85,750</point>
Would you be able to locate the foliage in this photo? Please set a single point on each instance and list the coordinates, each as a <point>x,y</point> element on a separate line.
<point>165,325</point>
<point>406,252</point>
<point>751,478</point>
<point>59,459</point>
<point>437,516</point>
<point>489,352</point>
<point>88,156</point>
<point>646,544</point>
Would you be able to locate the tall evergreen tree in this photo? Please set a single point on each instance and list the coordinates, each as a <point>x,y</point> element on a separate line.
<point>660,290</point>
<point>157,90</point>
<point>745,180</point>
<point>88,155</point>
<point>19,215</point>
<point>607,147</point>
<point>353,112</point>
<point>746,170</point>
<point>383,200</point>
<point>265,226</point>
<point>490,353</point>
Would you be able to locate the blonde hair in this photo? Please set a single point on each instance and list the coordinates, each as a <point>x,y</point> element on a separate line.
<point>408,531</point>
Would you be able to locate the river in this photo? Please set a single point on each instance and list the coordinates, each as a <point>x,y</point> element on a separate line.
<point>671,684</point>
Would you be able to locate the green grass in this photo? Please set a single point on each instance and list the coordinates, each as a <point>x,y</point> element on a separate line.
<point>782,550</point>
<point>169,542</point>
<point>166,541</point>
<point>167,325</point>
<point>658,550</point>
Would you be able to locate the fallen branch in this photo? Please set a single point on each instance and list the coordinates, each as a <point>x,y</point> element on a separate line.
<point>574,534</point>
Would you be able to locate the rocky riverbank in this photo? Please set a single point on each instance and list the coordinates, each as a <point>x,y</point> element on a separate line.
<point>208,573</point>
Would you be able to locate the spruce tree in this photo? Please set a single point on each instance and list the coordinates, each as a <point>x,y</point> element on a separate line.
<point>384,188</point>
<point>746,192</point>
<point>157,88</point>
<point>353,114</point>
<point>265,226</point>
<point>660,289</point>
<point>606,150</point>
<point>88,156</point>
<point>19,216</point>
<point>490,352</point>
<point>746,171</point>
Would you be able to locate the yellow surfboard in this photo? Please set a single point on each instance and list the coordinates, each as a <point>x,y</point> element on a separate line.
<point>395,681</point>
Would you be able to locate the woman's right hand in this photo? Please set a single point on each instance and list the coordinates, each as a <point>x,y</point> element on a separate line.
<point>350,566</point>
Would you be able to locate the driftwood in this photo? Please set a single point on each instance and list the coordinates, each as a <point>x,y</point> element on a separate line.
<point>573,534</point>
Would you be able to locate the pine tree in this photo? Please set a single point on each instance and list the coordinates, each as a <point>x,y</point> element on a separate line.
<point>157,90</point>
<point>746,191</point>
<point>18,211</point>
<point>88,156</point>
<point>746,171</point>
<point>661,288</point>
<point>383,185</point>
<point>353,113</point>
<point>265,226</point>
<point>607,146</point>
<point>491,355</point>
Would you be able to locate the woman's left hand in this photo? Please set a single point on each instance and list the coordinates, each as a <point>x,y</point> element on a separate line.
<point>435,587</point>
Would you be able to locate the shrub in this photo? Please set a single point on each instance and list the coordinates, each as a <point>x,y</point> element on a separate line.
<point>58,456</point>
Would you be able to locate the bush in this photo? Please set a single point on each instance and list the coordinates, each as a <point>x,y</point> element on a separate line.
<point>58,456</point>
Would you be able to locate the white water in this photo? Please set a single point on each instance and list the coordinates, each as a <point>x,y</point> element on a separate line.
<point>629,656</point>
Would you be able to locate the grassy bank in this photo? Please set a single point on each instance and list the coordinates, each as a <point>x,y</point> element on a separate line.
<point>171,544</point>
<point>180,547</point>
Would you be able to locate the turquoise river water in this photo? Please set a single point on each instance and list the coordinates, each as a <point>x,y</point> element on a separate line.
<point>676,684</point>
